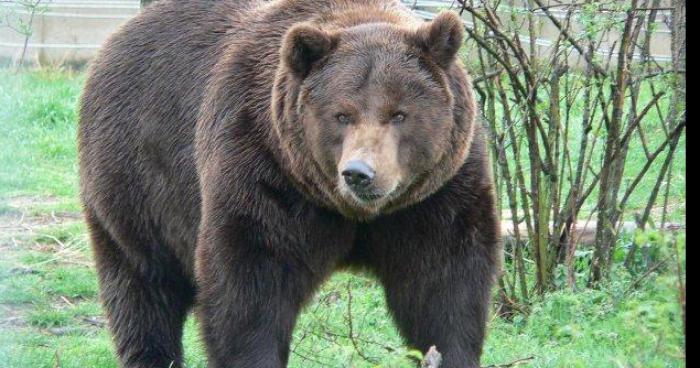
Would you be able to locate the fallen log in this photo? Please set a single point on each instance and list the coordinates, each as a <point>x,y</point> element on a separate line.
<point>585,230</point>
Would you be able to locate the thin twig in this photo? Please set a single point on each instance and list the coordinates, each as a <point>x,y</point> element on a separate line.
<point>351,332</point>
<point>514,363</point>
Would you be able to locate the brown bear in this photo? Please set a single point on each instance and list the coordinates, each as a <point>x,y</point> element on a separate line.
<point>234,154</point>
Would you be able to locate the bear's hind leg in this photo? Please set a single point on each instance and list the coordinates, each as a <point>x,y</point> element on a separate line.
<point>145,310</point>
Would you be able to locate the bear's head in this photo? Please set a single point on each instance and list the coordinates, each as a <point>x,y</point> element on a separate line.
<point>375,116</point>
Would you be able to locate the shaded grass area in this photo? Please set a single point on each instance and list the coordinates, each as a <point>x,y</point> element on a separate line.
<point>50,314</point>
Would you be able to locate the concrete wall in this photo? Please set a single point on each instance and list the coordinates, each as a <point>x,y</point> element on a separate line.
<point>71,31</point>
<point>547,33</point>
<point>68,31</point>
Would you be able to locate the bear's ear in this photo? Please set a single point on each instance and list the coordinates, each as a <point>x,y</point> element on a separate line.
<point>441,38</point>
<point>303,46</point>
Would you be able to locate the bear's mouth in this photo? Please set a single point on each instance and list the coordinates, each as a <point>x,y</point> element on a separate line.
<point>365,205</point>
<point>368,197</point>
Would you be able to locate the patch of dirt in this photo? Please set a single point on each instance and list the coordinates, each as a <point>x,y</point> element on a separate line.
<point>18,221</point>
<point>81,326</point>
<point>12,315</point>
<point>25,226</point>
<point>29,201</point>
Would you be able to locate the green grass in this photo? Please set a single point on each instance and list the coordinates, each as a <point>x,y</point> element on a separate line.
<point>50,314</point>
<point>38,136</point>
<point>591,328</point>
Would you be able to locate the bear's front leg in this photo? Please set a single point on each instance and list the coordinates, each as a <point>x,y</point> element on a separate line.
<point>252,284</point>
<point>438,280</point>
<point>443,302</point>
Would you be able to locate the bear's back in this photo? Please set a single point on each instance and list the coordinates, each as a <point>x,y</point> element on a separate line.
<point>137,119</point>
<point>149,78</point>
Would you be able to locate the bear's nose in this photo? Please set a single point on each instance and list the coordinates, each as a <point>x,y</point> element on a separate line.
<point>358,174</point>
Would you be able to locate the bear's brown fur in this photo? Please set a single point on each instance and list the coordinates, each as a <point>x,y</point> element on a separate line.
<point>215,145</point>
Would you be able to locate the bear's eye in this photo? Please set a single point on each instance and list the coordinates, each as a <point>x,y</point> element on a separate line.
<point>343,119</point>
<point>398,118</point>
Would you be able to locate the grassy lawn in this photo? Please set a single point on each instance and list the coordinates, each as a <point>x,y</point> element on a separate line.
<point>50,315</point>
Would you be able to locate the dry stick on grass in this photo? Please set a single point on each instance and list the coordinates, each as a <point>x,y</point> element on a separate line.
<point>351,333</point>
<point>57,359</point>
<point>388,348</point>
<point>432,358</point>
<point>514,363</point>
<point>67,301</point>
<point>94,321</point>
<point>308,358</point>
